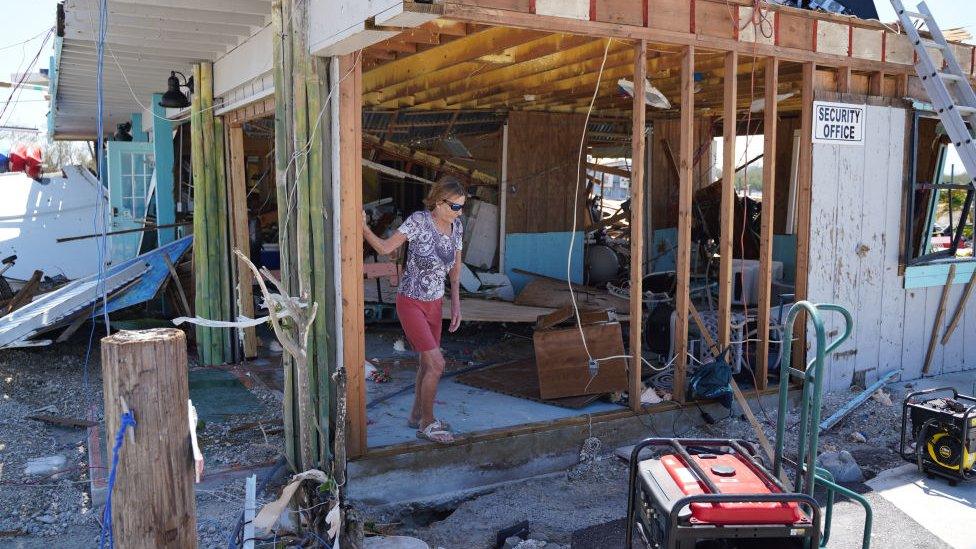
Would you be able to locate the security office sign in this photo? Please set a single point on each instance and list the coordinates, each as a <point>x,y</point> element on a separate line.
<point>838,123</point>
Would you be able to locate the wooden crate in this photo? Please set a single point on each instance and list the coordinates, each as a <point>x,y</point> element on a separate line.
<point>563,366</point>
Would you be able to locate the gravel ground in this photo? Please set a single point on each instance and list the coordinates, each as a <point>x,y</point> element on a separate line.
<point>55,509</point>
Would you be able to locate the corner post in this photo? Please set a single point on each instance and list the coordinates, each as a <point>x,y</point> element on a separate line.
<point>637,222</point>
<point>685,171</point>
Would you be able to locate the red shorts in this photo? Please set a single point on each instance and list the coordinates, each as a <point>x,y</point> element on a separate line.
<point>421,321</point>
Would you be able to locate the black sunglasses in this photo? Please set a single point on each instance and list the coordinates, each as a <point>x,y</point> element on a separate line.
<point>454,207</point>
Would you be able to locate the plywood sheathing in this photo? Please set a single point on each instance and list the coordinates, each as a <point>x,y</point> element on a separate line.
<point>663,175</point>
<point>543,156</point>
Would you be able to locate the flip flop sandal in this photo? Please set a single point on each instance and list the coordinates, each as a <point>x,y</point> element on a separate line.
<point>416,425</point>
<point>435,433</point>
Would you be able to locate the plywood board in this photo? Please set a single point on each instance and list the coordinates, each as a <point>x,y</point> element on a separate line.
<point>795,31</point>
<point>573,9</point>
<point>627,12</point>
<point>866,43</point>
<point>715,19</point>
<point>832,38</point>
<point>750,32</point>
<point>672,15</point>
<point>483,310</point>
<point>562,361</point>
<point>544,292</point>
<point>898,49</point>
<point>520,379</point>
<point>543,157</point>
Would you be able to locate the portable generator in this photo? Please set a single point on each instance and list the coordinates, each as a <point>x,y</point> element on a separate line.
<point>943,430</point>
<point>714,493</point>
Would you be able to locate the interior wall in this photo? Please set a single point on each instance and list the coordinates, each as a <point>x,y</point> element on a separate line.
<point>543,155</point>
<point>663,176</point>
<point>856,221</point>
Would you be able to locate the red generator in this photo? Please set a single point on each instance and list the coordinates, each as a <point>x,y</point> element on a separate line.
<point>714,494</point>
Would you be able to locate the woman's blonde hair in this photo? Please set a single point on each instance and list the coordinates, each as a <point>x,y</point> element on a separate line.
<point>445,187</point>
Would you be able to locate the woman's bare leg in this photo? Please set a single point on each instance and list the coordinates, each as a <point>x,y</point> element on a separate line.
<point>434,363</point>
<point>414,418</point>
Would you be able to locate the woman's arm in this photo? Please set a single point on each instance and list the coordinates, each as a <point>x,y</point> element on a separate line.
<point>455,278</point>
<point>383,246</point>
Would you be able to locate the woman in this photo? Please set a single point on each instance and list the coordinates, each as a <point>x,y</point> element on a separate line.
<point>434,253</point>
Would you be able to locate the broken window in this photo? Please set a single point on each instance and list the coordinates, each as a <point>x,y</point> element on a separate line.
<point>939,220</point>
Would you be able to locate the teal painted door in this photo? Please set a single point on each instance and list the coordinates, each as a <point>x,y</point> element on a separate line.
<point>130,174</point>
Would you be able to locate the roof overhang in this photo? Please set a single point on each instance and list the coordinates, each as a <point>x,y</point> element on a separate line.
<point>146,39</point>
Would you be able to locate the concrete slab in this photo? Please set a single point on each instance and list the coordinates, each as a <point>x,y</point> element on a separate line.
<point>945,511</point>
<point>468,410</point>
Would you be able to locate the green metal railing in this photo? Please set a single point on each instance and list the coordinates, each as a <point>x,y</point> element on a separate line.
<point>808,475</point>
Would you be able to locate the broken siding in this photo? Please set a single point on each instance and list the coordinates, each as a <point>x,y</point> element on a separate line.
<point>855,247</point>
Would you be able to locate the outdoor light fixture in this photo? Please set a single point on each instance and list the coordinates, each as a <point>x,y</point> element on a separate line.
<point>174,98</point>
<point>123,132</point>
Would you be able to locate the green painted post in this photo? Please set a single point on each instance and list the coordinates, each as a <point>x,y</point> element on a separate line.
<point>138,135</point>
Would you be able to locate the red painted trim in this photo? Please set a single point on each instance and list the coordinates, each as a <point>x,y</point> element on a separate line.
<point>815,31</point>
<point>884,46</point>
<point>644,13</point>
<point>776,28</point>
<point>850,41</point>
<point>531,6</point>
<point>592,10</point>
<point>691,16</point>
<point>914,57</point>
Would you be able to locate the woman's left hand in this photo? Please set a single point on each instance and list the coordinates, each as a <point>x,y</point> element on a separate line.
<point>455,316</point>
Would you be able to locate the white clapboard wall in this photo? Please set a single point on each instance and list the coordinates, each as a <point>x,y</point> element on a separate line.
<point>854,253</point>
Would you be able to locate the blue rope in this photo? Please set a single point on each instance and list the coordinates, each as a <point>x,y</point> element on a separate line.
<point>127,421</point>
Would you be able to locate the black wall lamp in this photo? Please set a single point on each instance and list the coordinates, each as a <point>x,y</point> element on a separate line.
<point>174,98</point>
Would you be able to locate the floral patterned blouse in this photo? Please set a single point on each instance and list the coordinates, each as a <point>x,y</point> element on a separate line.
<point>430,256</point>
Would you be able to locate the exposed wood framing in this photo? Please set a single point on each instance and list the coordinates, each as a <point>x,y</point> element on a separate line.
<point>940,314</point>
<point>844,79</point>
<point>638,143</point>
<point>239,237</point>
<point>210,260</point>
<point>728,201</point>
<point>685,167</point>
<point>351,197</point>
<point>804,201</point>
<point>408,154</point>
<point>770,122</point>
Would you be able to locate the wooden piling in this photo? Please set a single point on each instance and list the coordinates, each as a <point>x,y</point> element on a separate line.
<point>153,502</point>
<point>201,266</point>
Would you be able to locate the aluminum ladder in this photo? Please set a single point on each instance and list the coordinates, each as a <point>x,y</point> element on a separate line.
<point>954,109</point>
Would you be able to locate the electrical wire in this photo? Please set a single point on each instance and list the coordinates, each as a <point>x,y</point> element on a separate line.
<point>31,39</point>
<point>19,86</point>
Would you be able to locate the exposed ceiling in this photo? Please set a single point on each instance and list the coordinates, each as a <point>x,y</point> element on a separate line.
<point>146,39</point>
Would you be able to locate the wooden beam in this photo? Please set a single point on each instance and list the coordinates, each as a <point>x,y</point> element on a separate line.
<point>876,84</point>
<point>240,237</point>
<point>844,79</point>
<point>469,175</point>
<point>957,315</point>
<point>686,156</point>
<point>804,205</point>
<point>351,249</point>
<point>609,170</point>
<point>766,235</point>
<point>638,142</point>
<point>938,319</point>
<point>727,218</point>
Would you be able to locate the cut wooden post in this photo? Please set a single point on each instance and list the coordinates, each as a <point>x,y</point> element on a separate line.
<point>240,238</point>
<point>804,202</point>
<point>843,79</point>
<point>683,257</point>
<point>766,233</point>
<point>956,316</point>
<point>638,143</point>
<point>876,84</point>
<point>727,216</point>
<point>351,189</point>
<point>224,290</point>
<point>153,503</point>
<point>938,319</point>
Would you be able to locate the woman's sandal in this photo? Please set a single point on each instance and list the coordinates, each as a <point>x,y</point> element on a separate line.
<point>436,432</point>
<point>416,424</point>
